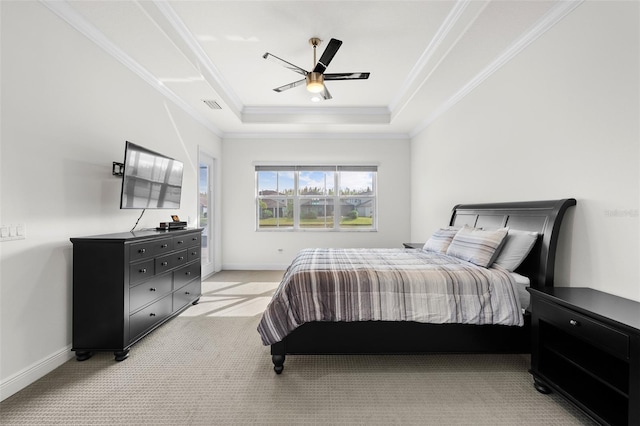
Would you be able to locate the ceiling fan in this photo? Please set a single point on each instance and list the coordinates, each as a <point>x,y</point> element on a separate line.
<point>315,79</point>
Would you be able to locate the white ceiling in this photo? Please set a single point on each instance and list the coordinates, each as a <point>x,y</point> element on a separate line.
<point>423,56</point>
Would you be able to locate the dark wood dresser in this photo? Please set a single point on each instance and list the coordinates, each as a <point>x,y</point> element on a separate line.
<point>586,346</point>
<point>127,284</point>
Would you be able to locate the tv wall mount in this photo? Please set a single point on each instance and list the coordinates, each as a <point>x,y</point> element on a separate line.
<point>118,169</point>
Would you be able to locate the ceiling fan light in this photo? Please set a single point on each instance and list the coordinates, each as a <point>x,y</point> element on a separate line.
<point>315,82</point>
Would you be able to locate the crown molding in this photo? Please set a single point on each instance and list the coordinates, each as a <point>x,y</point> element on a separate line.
<point>544,24</point>
<point>404,96</point>
<point>317,115</point>
<point>205,65</point>
<point>66,12</point>
<point>316,136</point>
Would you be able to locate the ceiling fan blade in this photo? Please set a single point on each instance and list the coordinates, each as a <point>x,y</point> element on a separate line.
<point>284,63</point>
<point>327,55</point>
<point>290,85</point>
<point>347,76</point>
<point>325,94</point>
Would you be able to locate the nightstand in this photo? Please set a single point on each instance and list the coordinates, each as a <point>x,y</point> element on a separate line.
<point>413,245</point>
<point>586,347</point>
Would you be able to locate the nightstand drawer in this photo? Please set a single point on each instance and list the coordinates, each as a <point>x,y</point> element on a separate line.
<point>582,327</point>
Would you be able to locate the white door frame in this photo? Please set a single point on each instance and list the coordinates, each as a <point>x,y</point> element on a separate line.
<point>208,251</point>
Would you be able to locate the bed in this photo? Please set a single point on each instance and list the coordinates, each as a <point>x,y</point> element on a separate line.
<point>493,321</point>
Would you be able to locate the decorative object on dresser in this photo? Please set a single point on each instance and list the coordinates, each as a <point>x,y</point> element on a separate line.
<point>127,284</point>
<point>371,334</point>
<point>586,346</point>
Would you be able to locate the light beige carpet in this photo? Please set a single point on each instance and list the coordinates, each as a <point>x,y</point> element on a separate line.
<point>208,367</point>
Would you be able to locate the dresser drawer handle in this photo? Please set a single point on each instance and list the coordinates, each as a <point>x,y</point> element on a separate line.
<point>142,250</point>
<point>152,289</point>
<point>194,239</point>
<point>188,273</point>
<point>152,314</point>
<point>143,271</point>
<point>164,246</point>
<point>187,293</point>
<point>181,258</point>
<point>164,263</point>
<point>180,242</point>
<point>193,253</point>
<point>574,323</point>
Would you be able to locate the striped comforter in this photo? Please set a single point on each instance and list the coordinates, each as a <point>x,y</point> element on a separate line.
<point>388,285</point>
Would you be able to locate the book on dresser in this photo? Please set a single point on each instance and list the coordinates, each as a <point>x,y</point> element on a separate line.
<point>127,284</point>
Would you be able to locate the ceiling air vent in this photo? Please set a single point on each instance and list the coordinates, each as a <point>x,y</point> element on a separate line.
<point>212,104</point>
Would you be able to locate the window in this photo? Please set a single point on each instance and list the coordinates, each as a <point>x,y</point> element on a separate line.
<point>327,198</point>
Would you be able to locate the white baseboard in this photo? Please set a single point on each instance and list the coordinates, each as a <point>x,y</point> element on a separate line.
<point>35,371</point>
<point>253,267</point>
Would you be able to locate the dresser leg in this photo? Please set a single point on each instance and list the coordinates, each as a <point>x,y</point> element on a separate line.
<point>83,356</point>
<point>541,387</point>
<point>121,355</point>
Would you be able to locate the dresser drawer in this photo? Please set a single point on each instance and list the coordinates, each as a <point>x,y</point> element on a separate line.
<point>141,251</point>
<point>186,295</point>
<point>141,271</point>
<point>610,340</point>
<point>194,240</point>
<point>163,246</point>
<point>170,261</point>
<point>181,242</point>
<point>185,274</point>
<point>149,291</point>
<point>146,318</point>
<point>193,253</point>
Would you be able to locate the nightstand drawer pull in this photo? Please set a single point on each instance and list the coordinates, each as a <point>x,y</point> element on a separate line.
<point>152,289</point>
<point>142,250</point>
<point>574,323</point>
<point>164,263</point>
<point>143,270</point>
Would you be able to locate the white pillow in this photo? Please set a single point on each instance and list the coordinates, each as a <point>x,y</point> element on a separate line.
<point>517,246</point>
<point>440,239</point>
<point>477,245</point>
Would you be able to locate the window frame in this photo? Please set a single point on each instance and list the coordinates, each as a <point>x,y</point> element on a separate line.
<point>333,197</point>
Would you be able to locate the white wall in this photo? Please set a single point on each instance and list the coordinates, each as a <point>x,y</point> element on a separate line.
<point>246,248</point>
<point>560,120</point>
<point>67,109</point>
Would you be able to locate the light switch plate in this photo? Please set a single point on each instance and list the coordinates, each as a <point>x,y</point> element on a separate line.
<point>13,232</point>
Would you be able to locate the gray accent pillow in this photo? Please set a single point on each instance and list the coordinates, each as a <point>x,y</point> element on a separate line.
<point>440,239</point>
<point>517,246</point>
<point>477,246</point>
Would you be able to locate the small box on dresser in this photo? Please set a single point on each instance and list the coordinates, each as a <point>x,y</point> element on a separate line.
<point>586,346</point>
<point>127,284</point>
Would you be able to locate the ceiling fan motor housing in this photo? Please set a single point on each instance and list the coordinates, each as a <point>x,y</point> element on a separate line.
<point>315,82</point>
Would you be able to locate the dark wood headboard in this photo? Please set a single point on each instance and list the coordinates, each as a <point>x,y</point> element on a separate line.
<point>544,217</point>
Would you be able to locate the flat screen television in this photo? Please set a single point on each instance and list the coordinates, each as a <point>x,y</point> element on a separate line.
<point>150,180</point>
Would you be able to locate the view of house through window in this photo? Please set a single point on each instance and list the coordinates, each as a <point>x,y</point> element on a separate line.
<point>338,198</point>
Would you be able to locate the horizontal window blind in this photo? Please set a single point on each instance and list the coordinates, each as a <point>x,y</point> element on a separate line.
<point>341,168</point>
